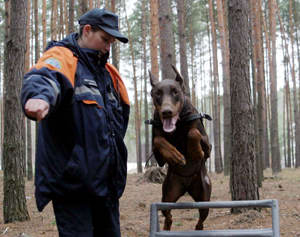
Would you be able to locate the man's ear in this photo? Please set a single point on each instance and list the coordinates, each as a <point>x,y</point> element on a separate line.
<point>86,29</point>
<point>179,78</point>
<point>153,79</point>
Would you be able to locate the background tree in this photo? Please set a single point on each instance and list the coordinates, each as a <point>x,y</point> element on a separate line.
<point>154,37</point>
<point>84,7</point>
<point>26,68</point>
<point>243,183</point>
<point>136,103</point>
<point>261,122</point>
<point>71,17</point>
<point>53,20</point>
<point>181,5</point>
<point>275,151</point>
<point>216,107</point>
<point>226,84</point>
<point>115,50</point>
<point>14,208</point>
<point>166,39</point>
<point>297,112</point>
<point>44,22</point>
<point>145,74</point>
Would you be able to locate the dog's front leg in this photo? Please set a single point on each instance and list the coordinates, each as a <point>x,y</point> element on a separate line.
<point>168,151</point>
<point>194,148</point>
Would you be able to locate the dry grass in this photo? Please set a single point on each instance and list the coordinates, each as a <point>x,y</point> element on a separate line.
<point>135,203</point>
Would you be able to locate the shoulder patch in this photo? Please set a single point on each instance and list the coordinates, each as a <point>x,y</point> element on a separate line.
<point>54,62</point>
<point>60,59</point>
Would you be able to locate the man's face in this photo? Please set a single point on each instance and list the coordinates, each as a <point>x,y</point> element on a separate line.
<point>98,40</point>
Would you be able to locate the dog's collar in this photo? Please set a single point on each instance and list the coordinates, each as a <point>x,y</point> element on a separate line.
<point>191,117</point>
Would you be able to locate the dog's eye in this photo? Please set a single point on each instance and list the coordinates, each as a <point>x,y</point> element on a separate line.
<point>174,92</point>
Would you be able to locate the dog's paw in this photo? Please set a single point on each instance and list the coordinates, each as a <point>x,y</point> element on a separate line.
<point>177,159</point>
<point>182,161</point>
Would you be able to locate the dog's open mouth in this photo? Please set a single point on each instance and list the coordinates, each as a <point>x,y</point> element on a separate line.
<point>169,124</point>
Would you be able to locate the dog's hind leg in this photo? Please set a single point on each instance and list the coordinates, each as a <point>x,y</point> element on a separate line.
<point>203,213</point>
<point>168,219</point>
<point>201,194</point>
<point>172,190</point>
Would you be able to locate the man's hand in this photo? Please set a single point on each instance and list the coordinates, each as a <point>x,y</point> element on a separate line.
<point>36,108</point>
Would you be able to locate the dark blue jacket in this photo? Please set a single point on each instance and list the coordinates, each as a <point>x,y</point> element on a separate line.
<point>80,150</point>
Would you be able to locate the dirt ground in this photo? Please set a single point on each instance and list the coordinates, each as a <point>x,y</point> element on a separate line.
<point>135,209</point>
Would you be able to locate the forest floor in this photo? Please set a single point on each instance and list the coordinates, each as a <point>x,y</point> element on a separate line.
<point>135,209</point>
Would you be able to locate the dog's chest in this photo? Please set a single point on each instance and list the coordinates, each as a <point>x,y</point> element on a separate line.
<point>179,138</point>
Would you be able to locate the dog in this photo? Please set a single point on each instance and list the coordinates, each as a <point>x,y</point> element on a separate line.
<point>179,139</point>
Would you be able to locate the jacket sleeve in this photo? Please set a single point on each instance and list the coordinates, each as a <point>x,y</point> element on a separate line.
<point>51,78</point>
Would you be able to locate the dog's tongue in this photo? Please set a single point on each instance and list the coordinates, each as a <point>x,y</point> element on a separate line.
<point>169,125</point>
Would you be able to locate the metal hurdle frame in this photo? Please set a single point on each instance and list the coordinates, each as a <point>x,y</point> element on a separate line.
<point>273,232</point>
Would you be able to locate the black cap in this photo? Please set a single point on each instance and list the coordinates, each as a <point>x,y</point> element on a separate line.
<point>105,20</point>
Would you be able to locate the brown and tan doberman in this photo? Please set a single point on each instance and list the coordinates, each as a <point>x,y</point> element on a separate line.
<point>179,139</point>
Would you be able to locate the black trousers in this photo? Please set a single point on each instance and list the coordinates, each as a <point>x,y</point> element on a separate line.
<point>96,217</point>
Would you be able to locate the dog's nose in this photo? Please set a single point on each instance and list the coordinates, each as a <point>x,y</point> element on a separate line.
<point>167,113</point>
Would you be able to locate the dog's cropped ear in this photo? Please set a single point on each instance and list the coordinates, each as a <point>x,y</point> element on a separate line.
<point>153,79</point>
<point>178,77</point>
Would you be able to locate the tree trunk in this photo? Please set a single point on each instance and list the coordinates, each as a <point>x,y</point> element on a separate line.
<point>211,98</point>
<point>83,6</point>
<point>27,49</point>
<point>1,112</point>
<point>226,87</point>
<point>287,111</point>
<point>91,4</point>
<point>44,23</point>
<point>166,39</point>
<point>266,162</point>
<point>107,4</point>
<point>14,208</point>
<point>259,73</point>
<point>216,109</point>
<point>54,20</point>
<point>136,102</point>
<point>154,32</point>
<point>98,3</point>
<point>61,20</point>
<point>243,180</point>
<point>144,40</point>
<point>182,44</point>
<point>71,17</point>
<point>36,30</point>
<point>115,50</point>
<point>26,68</point>
<point>154,37</point>
<point>297,117</point>
<point>66,20</point>
<point>193,78</point>
<point>288,122</point>
<point>275,150</point>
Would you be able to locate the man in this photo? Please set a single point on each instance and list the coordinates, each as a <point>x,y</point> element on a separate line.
<point>83,109</point>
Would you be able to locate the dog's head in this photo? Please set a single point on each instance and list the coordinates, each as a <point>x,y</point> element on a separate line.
<point>168,99</point>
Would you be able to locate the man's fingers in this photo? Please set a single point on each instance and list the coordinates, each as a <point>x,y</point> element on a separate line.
<point>41,114</point>
<point>37,108</point>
